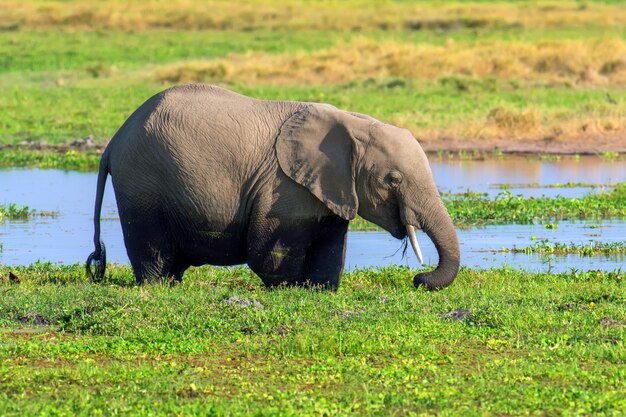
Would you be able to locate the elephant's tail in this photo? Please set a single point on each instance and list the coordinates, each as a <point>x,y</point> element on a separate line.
<point>98,258</point>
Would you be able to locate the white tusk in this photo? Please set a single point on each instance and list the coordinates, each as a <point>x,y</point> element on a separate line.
<point>416,247</point>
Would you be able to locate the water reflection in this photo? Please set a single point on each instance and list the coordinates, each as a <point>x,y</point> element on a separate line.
<point>483,175</point>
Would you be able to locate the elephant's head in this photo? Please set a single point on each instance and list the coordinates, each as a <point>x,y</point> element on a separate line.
<point>356,164</point>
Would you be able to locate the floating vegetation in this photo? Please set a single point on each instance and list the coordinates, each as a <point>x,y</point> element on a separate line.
<point>591,248</point>
<point>610,155</point>
<point>14,212</point>
<point>477,209</point>
<point>17,212</point>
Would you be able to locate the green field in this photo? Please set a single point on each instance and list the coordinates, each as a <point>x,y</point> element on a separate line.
<point>461,70</point>
<point>221,344</point>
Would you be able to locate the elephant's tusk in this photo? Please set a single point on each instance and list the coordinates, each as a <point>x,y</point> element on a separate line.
<point>416,247</point>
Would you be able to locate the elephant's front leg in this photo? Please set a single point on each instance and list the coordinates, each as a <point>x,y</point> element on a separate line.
<point>326,255</point>
<point>277,254</point>
<point>306,253</point>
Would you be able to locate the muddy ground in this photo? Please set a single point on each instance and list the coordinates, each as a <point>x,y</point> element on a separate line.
<point>581,145</point>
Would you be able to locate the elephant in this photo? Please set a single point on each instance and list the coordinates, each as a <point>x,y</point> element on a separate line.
<point>203,175</point>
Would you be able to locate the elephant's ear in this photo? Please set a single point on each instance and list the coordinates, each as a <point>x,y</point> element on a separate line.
<point>315,149</point>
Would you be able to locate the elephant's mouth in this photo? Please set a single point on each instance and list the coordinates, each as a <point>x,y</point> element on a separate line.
<point>399,232</point>
<point>409,231</point>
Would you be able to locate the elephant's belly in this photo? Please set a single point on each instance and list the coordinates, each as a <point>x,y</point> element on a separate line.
<point>213,247</point>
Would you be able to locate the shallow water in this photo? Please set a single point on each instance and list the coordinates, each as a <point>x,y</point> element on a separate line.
<point>480,247</point>
<point>68,237</point>
<point>484,176</point>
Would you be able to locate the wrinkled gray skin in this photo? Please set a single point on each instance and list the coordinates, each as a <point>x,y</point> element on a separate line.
<point>206,176</point>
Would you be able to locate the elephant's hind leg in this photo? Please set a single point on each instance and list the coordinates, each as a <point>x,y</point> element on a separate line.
<point>157,261</point>
<point>160,265</point>
<point>150,266</point>
<point>151,253</point>
<point>178,268</point>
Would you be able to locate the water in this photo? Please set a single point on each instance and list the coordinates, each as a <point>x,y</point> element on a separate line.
<point>484,176</point>
<point>68,237</point>
<point>481,247</point>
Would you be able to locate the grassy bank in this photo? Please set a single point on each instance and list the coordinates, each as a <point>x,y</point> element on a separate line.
<point>484,70</point>
<point>446,108</point>
<point>68,160</point>
<point>498,341</point>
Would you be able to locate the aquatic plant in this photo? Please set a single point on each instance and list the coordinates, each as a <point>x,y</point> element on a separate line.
<point>609,155</point>
<point>593,247</point>
<point>14,212</point>
<point>475,209</point>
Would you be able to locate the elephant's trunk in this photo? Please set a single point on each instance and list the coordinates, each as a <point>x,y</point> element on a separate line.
<point>439,227</point>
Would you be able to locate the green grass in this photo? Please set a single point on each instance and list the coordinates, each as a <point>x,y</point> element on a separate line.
<point>70,69</point>
<point>100,53</point>
<point>68,160</point>
<point>43,110</point>
<point>533,343</point>
<point>592,248</point>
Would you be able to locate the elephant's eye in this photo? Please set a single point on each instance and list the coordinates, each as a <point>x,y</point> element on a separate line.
<point>394,178</point>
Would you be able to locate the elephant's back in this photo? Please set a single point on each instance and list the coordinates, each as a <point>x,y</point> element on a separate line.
<point>190,119</point>
<point>210,135</point>
<point>193,149</point>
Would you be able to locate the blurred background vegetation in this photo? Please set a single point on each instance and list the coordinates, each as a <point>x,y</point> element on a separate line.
<point>503,70</point>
